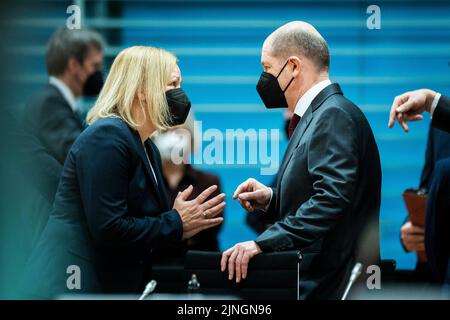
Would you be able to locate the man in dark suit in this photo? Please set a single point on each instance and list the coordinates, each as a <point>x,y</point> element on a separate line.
<point>412,236</point>
<point>74,63</point>
<point>437,225</point>
<point>327,197</point>
<point>409,106</point>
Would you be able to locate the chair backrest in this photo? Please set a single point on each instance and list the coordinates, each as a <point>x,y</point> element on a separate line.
<point>270,275</point>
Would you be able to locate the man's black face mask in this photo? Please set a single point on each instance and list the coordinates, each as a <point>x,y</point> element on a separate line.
<point>270,92</point>
<point>179,106</point>
<point>93,84</point>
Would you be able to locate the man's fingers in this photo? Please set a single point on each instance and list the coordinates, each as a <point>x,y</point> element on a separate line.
<point>414,238</point>
<point>231,263</point>
<point>237,265</point>
<point>224,260</point>
<point>205,194</point>
<point>241,188</point>
<point>254,195</point>
<point>413,117</point>
<point>393,113</point>
<point>406,105</point>
<point>244,265</point>
<point>416,230</point>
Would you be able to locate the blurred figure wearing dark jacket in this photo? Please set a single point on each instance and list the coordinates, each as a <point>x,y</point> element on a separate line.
<point>74,64</point>
<point>412,237</point>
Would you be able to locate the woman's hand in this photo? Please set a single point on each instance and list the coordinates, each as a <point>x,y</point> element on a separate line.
<point>198,215</point>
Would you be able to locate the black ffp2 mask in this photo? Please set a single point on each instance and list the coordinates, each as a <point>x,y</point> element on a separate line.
<point>93,84</point>
<point>179,106</point>
<point>270,91</point>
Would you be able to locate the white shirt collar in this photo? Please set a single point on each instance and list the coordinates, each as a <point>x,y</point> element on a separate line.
<point>65,91</point>
<point>304,102</point>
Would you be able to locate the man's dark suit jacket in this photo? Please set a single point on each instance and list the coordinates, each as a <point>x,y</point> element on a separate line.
<point>438,147</point>
<point>109,212</point>
<point>441,115</point>
<point>52,121</point>
<point>327,198</point>
<point>437,224</point>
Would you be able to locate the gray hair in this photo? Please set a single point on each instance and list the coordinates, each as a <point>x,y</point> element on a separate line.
<point>286,42</point>
<point>65,44</point>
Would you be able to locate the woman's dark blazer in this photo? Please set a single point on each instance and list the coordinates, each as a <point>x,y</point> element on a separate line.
<point>109,213</point>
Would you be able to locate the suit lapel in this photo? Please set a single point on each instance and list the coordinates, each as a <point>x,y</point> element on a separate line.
<point>301,128</point>
<point>155,159</point>
<point>293,143</point>
<point>143,156</point>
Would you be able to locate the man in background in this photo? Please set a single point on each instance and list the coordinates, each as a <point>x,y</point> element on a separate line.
<point>74,65</point>
<point>74,61</point>
<point>409,106</point>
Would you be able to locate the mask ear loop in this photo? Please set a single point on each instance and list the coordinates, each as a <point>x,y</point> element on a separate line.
<point>282,68</point>
<point>281,72</point>
<point>288,85</point>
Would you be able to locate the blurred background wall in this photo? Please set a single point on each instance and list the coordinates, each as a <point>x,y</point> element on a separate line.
<point>218,45</point>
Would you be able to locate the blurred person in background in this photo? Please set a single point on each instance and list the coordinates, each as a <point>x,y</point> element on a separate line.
<point>111,208</point>
<point>412,236</point>
<point>74,61</point>
<point>176,146</point>
<point>410,106</point>
<point>74,66</point>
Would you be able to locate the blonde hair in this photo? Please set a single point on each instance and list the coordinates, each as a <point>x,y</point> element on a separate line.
<point>136,69</point>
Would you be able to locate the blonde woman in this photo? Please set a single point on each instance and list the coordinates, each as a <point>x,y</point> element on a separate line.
<point>111,209</point>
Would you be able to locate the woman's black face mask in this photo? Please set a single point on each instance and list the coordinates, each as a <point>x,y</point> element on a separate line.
<point>179,106</point>
<point>270,92</point>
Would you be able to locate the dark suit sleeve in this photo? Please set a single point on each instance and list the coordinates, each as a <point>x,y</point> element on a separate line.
<point>429,161</point>
<point>38,165</point>
<point>333,164</point>
<point>441,115</point>
<point>103,164</point>
<point>59,127</point>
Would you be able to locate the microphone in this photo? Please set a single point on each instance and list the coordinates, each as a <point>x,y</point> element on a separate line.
<point>356,271</point>
<point>149,288</point>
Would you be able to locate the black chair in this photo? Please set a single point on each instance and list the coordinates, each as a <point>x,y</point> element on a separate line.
<point>271,275</point>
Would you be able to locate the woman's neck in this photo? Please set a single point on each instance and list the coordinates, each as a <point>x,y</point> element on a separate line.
<point>146,129</point>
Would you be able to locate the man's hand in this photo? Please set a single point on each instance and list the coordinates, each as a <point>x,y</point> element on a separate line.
<point>412,237</point>
<point>238,258</point>
<point>252,195</point>
<point>409,106</point>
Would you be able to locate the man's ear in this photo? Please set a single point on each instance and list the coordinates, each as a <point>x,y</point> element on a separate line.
<point>296,64</point>
<point>73,66</point>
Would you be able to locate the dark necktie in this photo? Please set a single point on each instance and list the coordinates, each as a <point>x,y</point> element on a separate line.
<point>293,124</point>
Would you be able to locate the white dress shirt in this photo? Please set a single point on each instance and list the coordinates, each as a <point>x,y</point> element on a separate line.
<point>434,103</point>
<point>65,91</point>
<point>305,101</point>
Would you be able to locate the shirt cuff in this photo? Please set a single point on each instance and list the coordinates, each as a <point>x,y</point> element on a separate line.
<point>270,200</point>
<point>434,104</point>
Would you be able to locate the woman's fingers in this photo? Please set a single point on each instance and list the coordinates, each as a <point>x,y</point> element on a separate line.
<point>214,211</point>
<point>203,225</point>
<point>205,194</point>
<point>213,202</point>
<point>185,193</point>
